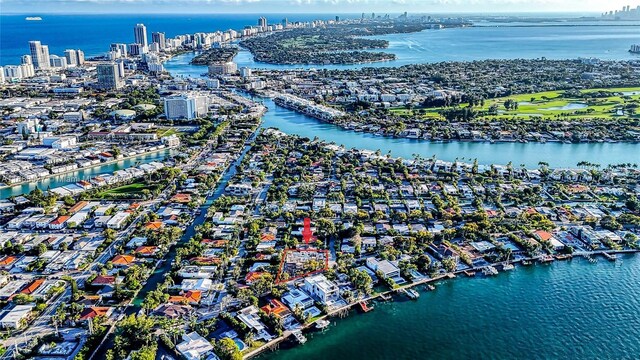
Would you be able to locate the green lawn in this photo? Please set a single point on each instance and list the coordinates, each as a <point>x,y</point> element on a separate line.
<point>131,189</point>
<point>546,104</point>
<point>167,132</point>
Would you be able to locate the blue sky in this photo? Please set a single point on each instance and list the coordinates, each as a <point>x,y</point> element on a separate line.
<point>306,6</point>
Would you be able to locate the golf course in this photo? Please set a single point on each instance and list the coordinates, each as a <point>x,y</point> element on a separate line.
<point>572,104</point>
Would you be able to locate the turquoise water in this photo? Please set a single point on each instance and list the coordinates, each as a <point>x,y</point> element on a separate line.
<point>70,178</point>
<point>567,310</point>
<point>498,41</point>
<point>556,154</point>
<point>529,154</point>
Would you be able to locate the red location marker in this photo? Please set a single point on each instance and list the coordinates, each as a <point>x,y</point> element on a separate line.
<point>307,234</point>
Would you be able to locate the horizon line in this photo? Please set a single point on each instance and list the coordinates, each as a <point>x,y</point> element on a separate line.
<point>4,13</point>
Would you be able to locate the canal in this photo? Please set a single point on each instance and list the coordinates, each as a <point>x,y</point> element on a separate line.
<point>557,154</point>
<point>73,177</point>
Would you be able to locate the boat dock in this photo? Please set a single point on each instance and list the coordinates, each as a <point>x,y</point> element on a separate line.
<point>299,337</point>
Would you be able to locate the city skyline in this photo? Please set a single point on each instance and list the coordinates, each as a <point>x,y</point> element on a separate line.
<point>309,6</point>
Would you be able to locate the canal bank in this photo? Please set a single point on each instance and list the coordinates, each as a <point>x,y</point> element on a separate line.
<point>73,176</point>
<point>557,155</point>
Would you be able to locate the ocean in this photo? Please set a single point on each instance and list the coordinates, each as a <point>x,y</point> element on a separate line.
<point>572,310</point>
<point>94,33</point>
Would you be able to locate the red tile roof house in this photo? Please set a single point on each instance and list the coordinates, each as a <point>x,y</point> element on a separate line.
<point>59,223</point>
<point>32,287</point>
<point>146,250</point>
<point>191,297</point>
<point>123,260</point>
<point>7,262</point>
<point>103,280</point>
<point>92,312</point>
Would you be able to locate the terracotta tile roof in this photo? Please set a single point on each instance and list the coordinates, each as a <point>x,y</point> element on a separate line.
<point>267,237</point>
<point>190,297</point>
<point>77,207</point>
<point>60,220</point>
<point>123,260</point>
<point>32,287</point>
<point>93,311</point>
<point>153,225</point>
<point>103,280</point>
<point>146,250</point>
<point>544,235</point>
<point>253,276</point>
<point>8,260</point>
<point>275,307</point>
<point>181,198</point>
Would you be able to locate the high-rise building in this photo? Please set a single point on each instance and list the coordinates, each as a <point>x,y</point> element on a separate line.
<point>186,106</point>
<point>262,22</point>
<point>26,59</point>
<point>39,55</point>
<point>45,52</point>
<point>71,56</point>
<point>137,49</point>
<point>109,76</point>
<point>13,72</point>
<point>140,34</point>
<point>159,38</point>
<point>121,48</point>
<point>56,61</point>
<point>79,57</point>
<point>27,70</point>
<point>2,79</point>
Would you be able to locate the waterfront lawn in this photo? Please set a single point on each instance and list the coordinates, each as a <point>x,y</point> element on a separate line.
<point>129,190</point>
<point>548,104</point>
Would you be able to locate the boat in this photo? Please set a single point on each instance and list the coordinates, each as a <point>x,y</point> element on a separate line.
<point>299,337</point>
<point>322,324</point>
<point>430,287</point>
<point>33,18</point>
<point>412,294</point>
<point>365,307</point>
<point>385,297</point>
<point>526,262</point>
<point>507,267</point>
<point>489,271</point>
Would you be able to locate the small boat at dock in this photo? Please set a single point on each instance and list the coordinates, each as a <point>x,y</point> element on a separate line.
<point>526,262</point>
<point>489,271</point>
<point>322,324</point>
<point>299,337</point>
<point>385,297</point>
<point>508,267</point>
<point>412,294</point>
<point>430,287</point>
<point>365,307</point>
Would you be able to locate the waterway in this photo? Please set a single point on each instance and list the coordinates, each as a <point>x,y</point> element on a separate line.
<point>566,310</point>
<point>530,154</point>
<point>73,177</point>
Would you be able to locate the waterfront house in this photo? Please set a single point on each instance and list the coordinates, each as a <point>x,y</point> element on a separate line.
<point>386,267</point>
<point>194,346</point>
<point>297,298</point>
<point>250,317</point>
<point>321,288</point>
